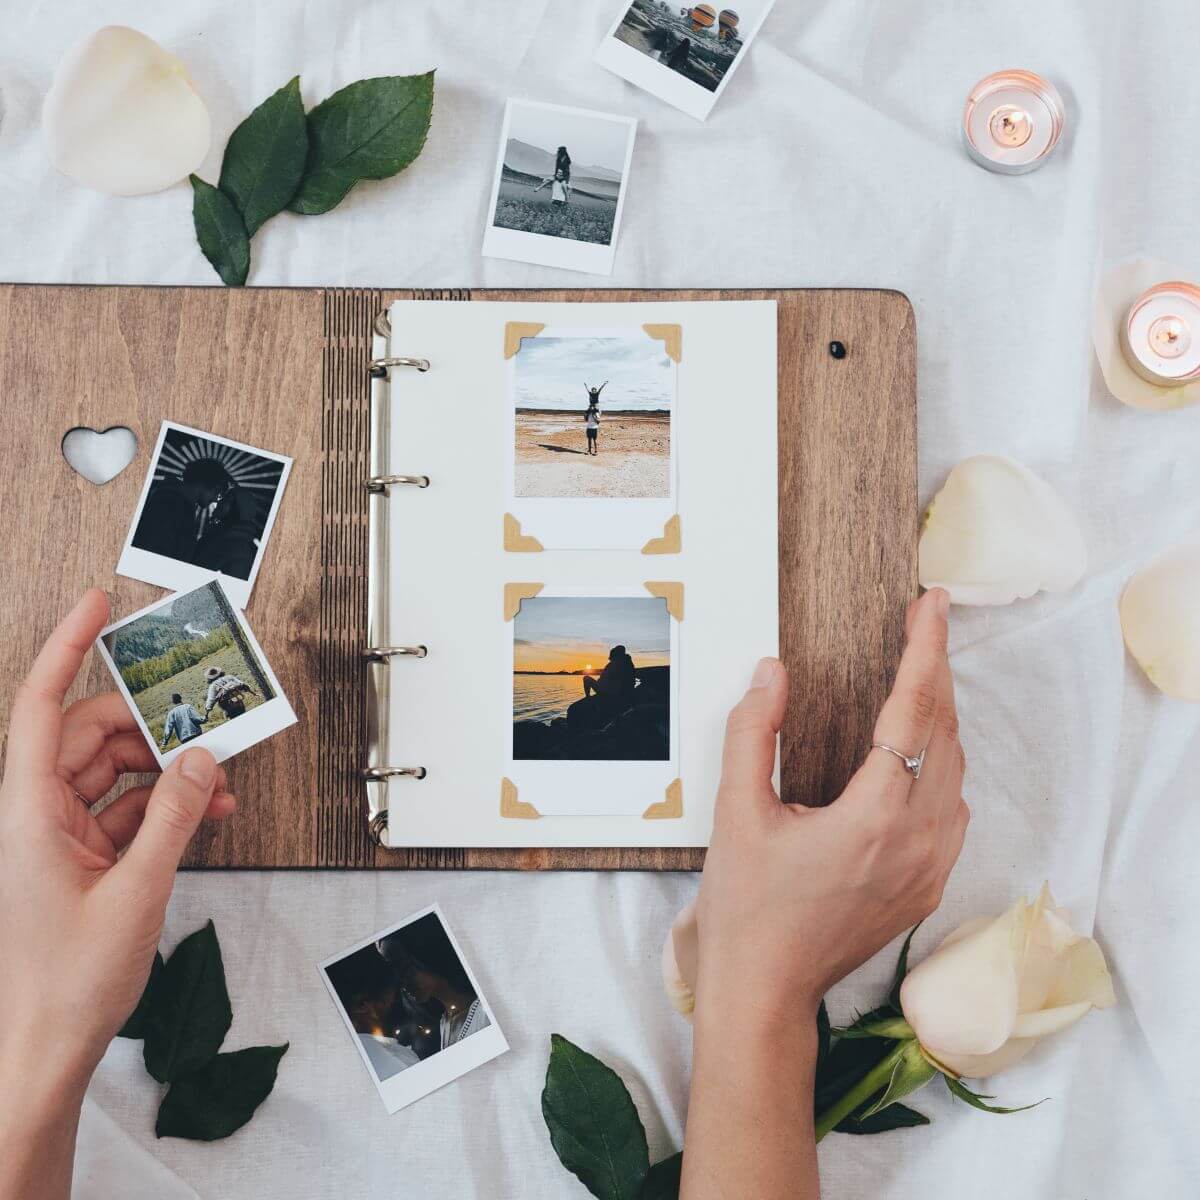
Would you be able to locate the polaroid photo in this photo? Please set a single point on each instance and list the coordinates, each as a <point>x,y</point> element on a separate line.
<point>682,55</point>
<point>595,435</point>
<point>206,510</point>
<point>413,1008</point>
<point>595,706</point>
<point>193,672</point>
<point>559,189</point>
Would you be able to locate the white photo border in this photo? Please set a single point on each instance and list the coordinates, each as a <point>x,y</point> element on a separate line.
<point>611,522</point>
<point>231,737</point>
<point>418,1081</point>
<point>669,86</point>
<point>543,249</point>
<point>595,787</point>
<point>166,572</point>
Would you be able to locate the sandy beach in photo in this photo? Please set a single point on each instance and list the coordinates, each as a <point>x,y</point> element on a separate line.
<point>634,456</point>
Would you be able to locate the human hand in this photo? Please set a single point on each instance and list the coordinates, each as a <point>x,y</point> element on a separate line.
<point>78,925</point>
<point>793,899</point>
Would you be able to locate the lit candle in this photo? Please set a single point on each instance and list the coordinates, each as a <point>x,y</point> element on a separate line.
<point>1012,121</point>
<point>1161,334</point>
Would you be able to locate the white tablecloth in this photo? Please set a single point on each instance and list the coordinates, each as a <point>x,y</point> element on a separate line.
<point>833,159</point>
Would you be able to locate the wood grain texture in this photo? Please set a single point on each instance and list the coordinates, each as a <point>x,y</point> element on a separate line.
<point>285,370</point>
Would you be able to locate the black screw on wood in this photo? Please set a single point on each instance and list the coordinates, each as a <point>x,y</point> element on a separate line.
<point>837,349</point>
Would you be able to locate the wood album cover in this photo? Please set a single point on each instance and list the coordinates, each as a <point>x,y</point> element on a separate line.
<point>285,370</point>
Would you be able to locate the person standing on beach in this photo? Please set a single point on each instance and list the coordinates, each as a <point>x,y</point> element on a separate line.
<point>592,417</point>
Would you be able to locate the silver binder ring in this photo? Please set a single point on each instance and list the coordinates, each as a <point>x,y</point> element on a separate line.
<point>381,483</point>
<point>379,367</point>
<point>381,774</point>
<point>383,653</point>
<point>376,827</point>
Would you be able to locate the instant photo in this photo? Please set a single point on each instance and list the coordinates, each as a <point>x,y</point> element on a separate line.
<point>559,186</point>
<point>595,432</point>
<point>594,701</point>
<point>413,1007</point>
<point>193,673</point>
<point>683,55</point>
<point>206,509</point>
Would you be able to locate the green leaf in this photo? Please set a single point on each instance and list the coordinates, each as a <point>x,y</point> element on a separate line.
<point>662,1181</point>
<point>189,1013</point>
<point>901,969</point>
<point>912,1071</point>
<point>221,1096</point>
<point>371,129</point>
<point>895,1116</point>
<point>135,1027</point>
<point>824,1034</point>
<point>871,1025</point>
<point>594,1127</point>
<point>964,1093</point>
<point>848,1061</point>
<point>265,157</point>
<point>220,232</point>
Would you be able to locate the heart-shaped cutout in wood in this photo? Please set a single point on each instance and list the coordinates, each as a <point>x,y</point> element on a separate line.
<point>99,457</point>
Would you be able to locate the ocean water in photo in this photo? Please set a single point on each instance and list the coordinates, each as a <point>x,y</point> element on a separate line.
<point>544,697</point>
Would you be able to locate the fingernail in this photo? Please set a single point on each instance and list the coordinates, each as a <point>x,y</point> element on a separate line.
<point>943,602</point>
<point>763,673</point>
<point>198,767</point>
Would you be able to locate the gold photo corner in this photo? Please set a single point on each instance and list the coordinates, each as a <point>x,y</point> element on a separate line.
<point>514,593</point>
<point>510,806</point>
<point>671,541</point>
<point>671,592</point>
<point>670,807</point>
<point>517,542</point>
<point>671,337</point>
<point>514,331</point>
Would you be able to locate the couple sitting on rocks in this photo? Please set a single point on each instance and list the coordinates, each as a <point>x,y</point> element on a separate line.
<point>607,695</point>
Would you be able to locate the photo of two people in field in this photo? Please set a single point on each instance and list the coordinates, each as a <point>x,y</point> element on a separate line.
<point>593,416</point>
<point>188,666</point>
<point>561,174</point>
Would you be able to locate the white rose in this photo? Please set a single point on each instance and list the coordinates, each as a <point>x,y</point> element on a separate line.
<point>997,985</point>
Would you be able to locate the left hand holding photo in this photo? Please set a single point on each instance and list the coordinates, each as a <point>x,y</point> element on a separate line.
<point>82,896</point>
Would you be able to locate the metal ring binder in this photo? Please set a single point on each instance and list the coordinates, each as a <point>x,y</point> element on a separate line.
<point>381,483</point>
<point>379,367</point>
<point>376,826</point>
<point>379,774</point>
<point>383,653</point>
<point>375,772</point>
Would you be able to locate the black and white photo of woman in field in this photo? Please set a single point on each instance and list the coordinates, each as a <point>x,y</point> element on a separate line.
<point>561,174</point>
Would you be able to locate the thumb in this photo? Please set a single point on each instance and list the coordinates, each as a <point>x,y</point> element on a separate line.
<point>751,736</point>
<point>173,812</point>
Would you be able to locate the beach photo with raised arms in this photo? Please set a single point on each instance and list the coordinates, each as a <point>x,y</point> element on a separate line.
<point>592,416</point>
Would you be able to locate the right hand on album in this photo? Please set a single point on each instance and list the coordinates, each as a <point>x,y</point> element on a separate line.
<point>793,899</point>
<point>82,897</point>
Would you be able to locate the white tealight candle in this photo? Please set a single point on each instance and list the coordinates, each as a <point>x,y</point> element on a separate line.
<point>1161,334</point>
<point>1012,121</point>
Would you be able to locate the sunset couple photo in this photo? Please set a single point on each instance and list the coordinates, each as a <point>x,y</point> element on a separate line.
<point>591,679</point>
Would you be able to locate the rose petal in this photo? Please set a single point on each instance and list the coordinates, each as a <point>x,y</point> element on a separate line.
<point>122,115</point>
<point>1160,618</point>
<point>962,999</point>
<point>996,532</point>
<point>680,957</point>
<point>980,1066</point>
<point>1036,1025</point>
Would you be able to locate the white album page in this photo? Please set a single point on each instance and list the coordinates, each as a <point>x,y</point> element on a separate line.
<point>592,568</point>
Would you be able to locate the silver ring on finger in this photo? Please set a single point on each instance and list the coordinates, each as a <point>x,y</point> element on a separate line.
<point>911,765</point>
